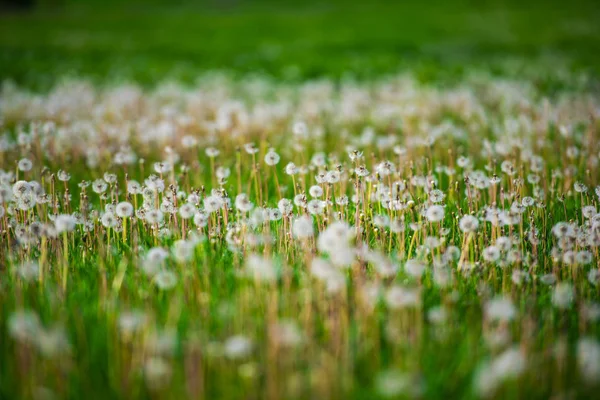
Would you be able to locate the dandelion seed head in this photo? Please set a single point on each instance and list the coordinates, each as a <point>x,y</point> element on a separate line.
<point>468,224</point>
<point>21,189</point>
<point>500,309</point>
<point>588,359</point>
<point>563,295</point>
<point>316,191</point>
<point>435,213</point>
<point>124,209</point>
<point>24,164</point>
<point>64,223</point>
<point>272,158</point>
<point>285,206</point>
<point>414,268</point>
<point>24,326</point>
<point>157,372</point>
<point>237,347</point>
<point>398,297</point>
<point>165,280</point>
<point>187,211</point>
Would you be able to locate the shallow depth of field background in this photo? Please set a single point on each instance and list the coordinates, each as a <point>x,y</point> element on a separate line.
<point>216,320</point>
<point>146,41</point>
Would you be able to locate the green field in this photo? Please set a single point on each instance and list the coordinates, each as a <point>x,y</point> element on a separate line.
<point>300,200</point>
<point>438,39</point>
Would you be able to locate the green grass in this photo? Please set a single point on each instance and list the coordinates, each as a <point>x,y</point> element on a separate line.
<point>517,77</point>
<point>145,43</point>
<point>92,279</point>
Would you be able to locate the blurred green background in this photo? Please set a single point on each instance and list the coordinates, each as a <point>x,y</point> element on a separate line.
<point>148,41</point>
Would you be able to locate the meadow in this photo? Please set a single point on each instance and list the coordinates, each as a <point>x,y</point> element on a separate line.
<point>258,202</point>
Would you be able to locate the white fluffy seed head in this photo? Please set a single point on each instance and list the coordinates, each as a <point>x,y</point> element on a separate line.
<point>435,213</point>
<point>272,158</point>
<point>468,224</point>
<point>64,223</point>
<point>124,209</point>
<point>303,227</point>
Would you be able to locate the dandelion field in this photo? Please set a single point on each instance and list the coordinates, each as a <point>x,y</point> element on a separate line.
<point>248,236</point>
